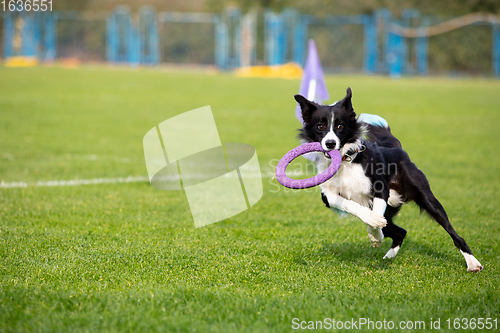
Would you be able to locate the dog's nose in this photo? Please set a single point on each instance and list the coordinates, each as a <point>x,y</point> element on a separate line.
<point>330,144</point>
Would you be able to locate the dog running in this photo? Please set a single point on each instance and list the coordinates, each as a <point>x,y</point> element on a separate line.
<point>376,176</point>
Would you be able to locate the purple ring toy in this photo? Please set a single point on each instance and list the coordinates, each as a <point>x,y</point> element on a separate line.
<point>309,182</point>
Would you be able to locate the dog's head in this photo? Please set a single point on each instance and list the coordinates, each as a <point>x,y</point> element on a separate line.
<point>331,125</point>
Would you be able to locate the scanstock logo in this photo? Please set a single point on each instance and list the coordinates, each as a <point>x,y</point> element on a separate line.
<point>185,153</point>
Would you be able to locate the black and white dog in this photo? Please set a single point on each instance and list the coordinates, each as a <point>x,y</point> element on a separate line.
<point>376,175</point>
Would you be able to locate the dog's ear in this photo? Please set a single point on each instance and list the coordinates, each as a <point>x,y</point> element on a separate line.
<point>307,107</point>
<point>347,104</point>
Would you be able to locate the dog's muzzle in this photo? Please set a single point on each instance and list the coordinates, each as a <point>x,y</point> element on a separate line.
<point>330,144</point>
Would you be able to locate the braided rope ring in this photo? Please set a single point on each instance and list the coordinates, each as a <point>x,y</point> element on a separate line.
<point>309,182</point>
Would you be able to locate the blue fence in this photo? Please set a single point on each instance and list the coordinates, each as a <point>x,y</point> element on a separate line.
<point>370,43</point>
<point>36,32</point>
<point>132,43</point>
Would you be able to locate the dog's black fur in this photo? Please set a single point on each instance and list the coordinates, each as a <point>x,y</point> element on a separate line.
<point>383,150</point>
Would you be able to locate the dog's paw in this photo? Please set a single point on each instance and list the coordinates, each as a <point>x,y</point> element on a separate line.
<point>392,253</point>
<point>376,236</point>
<point>374,220</point>
<point>473,265</point>
<point>475,268</point>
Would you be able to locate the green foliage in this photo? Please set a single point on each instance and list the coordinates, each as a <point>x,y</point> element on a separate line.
<point>191,43</point>
<point>465,49</point>
<point>127,258</point>
<point>82,39</point>
<point>346,7</point>
<point>315,7</point>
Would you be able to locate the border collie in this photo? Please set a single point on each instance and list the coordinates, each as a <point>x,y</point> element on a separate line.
<point>376,176</point>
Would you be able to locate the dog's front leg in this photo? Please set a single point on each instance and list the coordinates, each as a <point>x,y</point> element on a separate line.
<point>376,235</point>
<point>373,218</point>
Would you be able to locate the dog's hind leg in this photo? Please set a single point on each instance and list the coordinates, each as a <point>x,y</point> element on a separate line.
<point>393,231</point>
<point>418,190</point>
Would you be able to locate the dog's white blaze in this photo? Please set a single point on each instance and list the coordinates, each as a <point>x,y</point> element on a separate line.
<point>392,252</point>
<point>331,136</point>
<point>473,265</point>
<point>395,199</point>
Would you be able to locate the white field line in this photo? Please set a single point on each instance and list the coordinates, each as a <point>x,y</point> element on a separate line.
<point>73,182</point>
<point>95,181</point>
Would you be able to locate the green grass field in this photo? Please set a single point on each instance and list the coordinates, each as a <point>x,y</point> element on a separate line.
<point>127,257</point>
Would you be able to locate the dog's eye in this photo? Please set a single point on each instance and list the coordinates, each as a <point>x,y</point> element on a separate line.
<point>340,126</point>
<point>321,127</point>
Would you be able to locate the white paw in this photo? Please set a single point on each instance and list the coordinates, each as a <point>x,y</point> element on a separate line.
<point>392,252</point>
<point>473,265</point>
<point>475,268</point>
<point>374,220</point>
<point>376,236</point>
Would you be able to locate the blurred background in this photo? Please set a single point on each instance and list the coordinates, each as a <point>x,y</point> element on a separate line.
<point>406,37</point>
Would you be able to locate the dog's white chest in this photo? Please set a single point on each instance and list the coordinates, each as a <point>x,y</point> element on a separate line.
<point>351,183</point>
